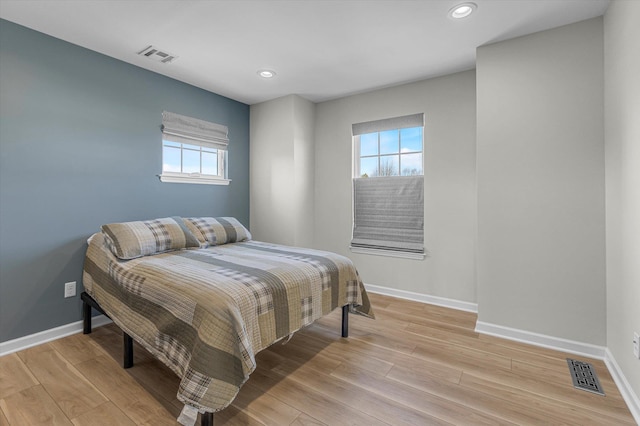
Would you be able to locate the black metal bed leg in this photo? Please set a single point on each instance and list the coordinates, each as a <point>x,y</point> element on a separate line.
<point>86,318</point>
<point>128,351</point>
<point>206,419</point>
<point>345,321</point>
<point>87,304</point>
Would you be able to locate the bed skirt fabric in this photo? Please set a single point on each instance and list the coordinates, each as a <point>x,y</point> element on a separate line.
<point>207,312</point>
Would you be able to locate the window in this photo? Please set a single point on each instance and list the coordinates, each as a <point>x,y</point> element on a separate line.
<point>188,159</point>
<point>388,187</point>
<point>396,152</point>
<point>193,151</point>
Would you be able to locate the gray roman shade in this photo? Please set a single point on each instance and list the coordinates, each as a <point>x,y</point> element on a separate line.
<point>183,129</point>
<point>414,120</point>
<point>389,213</point>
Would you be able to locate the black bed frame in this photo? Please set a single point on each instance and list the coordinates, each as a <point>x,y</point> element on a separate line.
<point>88,302</point>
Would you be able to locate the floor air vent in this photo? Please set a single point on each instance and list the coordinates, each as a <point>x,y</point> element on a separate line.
<point>584,376</point>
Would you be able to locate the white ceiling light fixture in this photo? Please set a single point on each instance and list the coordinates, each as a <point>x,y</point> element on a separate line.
<point>266,73</point>
<point>462,10</point>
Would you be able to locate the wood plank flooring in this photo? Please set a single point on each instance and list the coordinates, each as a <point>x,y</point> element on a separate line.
<point>416,364</point>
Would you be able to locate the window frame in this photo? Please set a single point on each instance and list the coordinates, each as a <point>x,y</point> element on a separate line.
<point>195,177</point>
<point>182,130</point>
<point>370,127</point>
<point>357,157</point>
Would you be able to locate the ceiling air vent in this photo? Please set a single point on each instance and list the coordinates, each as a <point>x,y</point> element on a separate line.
<point>157,55</point>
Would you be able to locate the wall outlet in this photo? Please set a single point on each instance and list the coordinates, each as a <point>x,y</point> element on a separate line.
<point>636,344</point>
<point>70,289</point>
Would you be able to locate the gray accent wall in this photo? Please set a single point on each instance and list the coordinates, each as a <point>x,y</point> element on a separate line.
<point>540,168</point>
<point>80,146</point>
<point>622,148</point>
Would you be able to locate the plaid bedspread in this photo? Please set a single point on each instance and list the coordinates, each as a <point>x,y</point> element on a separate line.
<point>206,313</point>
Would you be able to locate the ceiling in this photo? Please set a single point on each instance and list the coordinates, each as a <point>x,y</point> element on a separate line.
<point>320,49</point>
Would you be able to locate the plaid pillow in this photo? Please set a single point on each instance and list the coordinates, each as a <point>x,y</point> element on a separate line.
<point>215,231</point>
<point>129,240</point>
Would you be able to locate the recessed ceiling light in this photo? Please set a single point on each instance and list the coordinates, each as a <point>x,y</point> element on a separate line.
<point>266,73</point>
<point>462,10</point>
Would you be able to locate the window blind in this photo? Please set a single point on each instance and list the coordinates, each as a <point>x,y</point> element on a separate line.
<point>183,129</point>
<point>389,213</point>
<point>403,122</point>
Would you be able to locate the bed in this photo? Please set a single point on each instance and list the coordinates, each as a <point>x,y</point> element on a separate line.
<point>204,298</point>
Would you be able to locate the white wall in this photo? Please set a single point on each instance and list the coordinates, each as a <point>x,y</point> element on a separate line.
<point>622,135</point>
<point>537,215</point>
<point>541,223</point>
<point>450,201</point>
<point>282,171</point>
<point>304,113</point>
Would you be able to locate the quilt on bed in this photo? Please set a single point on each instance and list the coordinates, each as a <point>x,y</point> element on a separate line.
<point>207,312</point>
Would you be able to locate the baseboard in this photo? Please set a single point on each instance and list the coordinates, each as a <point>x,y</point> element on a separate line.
<point>45,336</point>
<point>565,345</point>
<point>542,340</point>
<point>425,298</point>
<point>630,397</point>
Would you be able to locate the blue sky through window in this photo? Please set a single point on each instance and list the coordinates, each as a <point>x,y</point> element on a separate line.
<point>186,158</point>
<point>411,139</point>
<point>392,152</point>
<point>389,143</point>
<point>369,144</point>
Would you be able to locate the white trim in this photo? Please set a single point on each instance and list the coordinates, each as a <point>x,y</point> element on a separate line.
<point>630,397</point>
<point>424,298</point>
<point>45,336</point>
<point>194,178</point>
<point>388,253</point>
<point>542,340</point>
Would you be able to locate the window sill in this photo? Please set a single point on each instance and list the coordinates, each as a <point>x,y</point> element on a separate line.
<point>197,179</point>
<point>388,253</point>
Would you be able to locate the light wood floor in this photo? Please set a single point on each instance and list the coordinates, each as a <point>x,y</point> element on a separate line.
<point>415,364</point>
